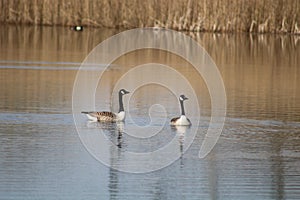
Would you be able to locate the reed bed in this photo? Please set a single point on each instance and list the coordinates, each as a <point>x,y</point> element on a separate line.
<point>261,16</point>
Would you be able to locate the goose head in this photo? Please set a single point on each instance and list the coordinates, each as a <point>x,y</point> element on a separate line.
<point>182,98</point>
<point>123,92</point>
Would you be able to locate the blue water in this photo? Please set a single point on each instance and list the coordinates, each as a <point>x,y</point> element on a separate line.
<point>42,155</point>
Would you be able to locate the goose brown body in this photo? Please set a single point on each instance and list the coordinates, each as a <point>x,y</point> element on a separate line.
<point>173,121</point>
<point>107,116</point>
<point>103,116</point>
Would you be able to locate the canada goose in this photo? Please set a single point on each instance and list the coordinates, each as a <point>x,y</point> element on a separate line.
<point>106,116</point>
<point>182,120</point>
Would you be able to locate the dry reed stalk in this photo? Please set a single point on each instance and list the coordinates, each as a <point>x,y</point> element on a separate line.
<point>276,16</point>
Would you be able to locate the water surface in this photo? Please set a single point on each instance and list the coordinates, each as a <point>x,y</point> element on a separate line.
<point>42,157</point>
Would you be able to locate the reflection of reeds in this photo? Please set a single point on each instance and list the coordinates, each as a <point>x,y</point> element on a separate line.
<point>192,15</point>
<point>261,72</point>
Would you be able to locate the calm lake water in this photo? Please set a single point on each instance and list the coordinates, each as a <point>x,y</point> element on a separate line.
<point>42,157</point>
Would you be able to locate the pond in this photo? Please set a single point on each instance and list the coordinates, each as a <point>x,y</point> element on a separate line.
<point>43,157</point>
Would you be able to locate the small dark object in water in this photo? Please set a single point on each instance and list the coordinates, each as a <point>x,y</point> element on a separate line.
<point>77,28</point>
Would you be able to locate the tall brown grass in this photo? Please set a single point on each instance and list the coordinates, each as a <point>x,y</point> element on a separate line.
<point>277,16</point>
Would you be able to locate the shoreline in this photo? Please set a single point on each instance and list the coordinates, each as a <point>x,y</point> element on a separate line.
<point>124,29</point>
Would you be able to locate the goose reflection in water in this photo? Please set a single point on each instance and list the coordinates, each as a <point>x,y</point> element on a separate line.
<point>180,133</point>
<point>120,130</point>
<point>114,131</point>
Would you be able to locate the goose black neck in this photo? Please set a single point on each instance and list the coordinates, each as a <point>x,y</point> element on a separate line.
<point>182,108</point>
<point>121,108</point>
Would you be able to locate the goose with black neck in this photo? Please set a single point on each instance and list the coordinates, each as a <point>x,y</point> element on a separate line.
<point>106,116</point>
<point>182,120</point>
